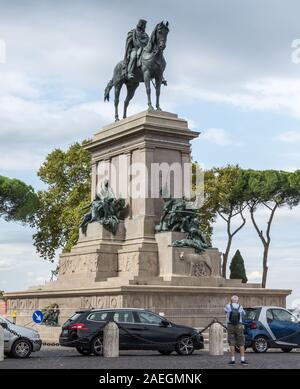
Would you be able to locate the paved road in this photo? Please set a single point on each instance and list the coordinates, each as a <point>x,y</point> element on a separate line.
<point>60,358</point>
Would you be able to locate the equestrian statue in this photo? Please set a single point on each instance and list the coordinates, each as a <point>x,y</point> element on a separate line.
<point>143,62</point>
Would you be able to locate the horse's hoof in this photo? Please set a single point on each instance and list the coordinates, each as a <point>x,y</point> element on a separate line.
<point>150,108</point>
<point>158,109</point>
<point>117,120</point>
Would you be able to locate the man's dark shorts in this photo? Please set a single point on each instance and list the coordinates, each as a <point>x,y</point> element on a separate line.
<point>236,335</point>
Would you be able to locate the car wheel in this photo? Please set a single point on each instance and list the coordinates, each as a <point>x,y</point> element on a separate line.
<point>97,346</point>
<point>260,344</point>
<point>185,345</point>
<point>287,350</point>
<point>165,352</point>
<point>83,351</point>
<point>21,348</point>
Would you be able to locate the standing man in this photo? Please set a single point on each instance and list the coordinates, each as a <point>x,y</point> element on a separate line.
<point>136,40</point>
<point>235,329</point>
<point>14,316</point>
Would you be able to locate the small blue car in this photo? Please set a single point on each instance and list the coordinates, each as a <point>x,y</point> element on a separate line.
<point>271,327</point>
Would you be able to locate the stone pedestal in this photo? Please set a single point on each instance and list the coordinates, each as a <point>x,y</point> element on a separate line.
<point>184,261</point>
<point>137,267</point>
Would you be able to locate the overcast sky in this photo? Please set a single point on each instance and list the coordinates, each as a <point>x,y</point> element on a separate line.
<point>229,72</point>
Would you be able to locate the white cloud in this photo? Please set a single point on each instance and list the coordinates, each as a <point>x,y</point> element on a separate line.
<point>20,160</point>
<point>6,264</point>
<point>279,94</point>
<point>254,276</point>
<point>288,137</point>
<point>20,266</point>
<point>41,279</point>
<point>218,136</point>
<point>32,128</point>
<point>17,82</point>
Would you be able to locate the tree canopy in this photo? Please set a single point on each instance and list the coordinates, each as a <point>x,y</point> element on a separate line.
<point>68,177</point>
<point>268,189</point>
<point>230,190</point>
<point>224,196</point>
<point>18,201</point>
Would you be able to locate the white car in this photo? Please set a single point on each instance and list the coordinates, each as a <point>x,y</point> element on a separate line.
<point>19,341</point>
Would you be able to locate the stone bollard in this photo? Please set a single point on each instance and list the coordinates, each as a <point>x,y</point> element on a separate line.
<point>111,340</point>
<point>1,344</point>
<point>216,339</point>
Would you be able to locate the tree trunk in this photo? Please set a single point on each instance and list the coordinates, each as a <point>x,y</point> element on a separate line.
<point>265,241</point>
<point>225,256</point>
<point>265,265</point>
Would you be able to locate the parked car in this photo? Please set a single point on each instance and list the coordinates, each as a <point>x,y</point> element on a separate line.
<point>139,330</point>
<point>271,327</point>
<point>295,312</point>
<point>19,341</point>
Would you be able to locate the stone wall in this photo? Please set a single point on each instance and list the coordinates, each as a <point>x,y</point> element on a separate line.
<point>195,306</point>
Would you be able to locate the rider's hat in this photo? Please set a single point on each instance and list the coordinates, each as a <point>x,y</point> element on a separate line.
<point>142,21</point>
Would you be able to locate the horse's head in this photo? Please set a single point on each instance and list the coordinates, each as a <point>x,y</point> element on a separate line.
<point>161,34</point>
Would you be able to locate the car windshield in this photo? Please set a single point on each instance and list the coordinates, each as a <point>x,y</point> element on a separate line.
<point>283,315</point>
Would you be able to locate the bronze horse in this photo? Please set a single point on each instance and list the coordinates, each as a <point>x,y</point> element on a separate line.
<point>152,66</point>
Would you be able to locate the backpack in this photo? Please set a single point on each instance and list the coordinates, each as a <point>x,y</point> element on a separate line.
<point>234,315</point>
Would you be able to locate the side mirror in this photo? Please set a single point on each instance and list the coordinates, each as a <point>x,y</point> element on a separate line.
<point>4,325</point>
<point>165,323</point>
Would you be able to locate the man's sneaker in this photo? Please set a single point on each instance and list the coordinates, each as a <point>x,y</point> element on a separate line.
<point>244,363</point>
<point>231,363</point>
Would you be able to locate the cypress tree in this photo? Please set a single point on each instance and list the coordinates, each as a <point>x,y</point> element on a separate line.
<point>237,267</point>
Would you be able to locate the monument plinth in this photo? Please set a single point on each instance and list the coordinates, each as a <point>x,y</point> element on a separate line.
<point>137,266</point>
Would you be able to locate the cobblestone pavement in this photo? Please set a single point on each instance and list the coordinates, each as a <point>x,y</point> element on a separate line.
<point>61,358</point>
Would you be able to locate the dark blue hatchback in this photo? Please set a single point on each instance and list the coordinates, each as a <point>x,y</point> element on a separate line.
<point>271,327</point>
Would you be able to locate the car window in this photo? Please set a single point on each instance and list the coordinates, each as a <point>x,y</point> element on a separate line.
<point>269,315</point>
<point>149,318</point>
<point>72,318</point>
<point>123,317</point>
<point>98,316</point>
<point>251,314</point>
<point>283,315</point>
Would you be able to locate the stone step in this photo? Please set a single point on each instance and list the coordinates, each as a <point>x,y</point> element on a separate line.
<point>149,281</point>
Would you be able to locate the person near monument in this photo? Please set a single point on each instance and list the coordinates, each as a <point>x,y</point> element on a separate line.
<point>235,329</point>
<point>14,316</point>
<point>136,40</point>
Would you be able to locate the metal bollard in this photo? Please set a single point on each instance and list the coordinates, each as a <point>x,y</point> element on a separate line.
<point>1,344</point>
<point>111,340</point>
<point>216,339</point>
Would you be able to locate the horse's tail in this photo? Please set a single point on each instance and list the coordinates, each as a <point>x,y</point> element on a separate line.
<point>107,90</point>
